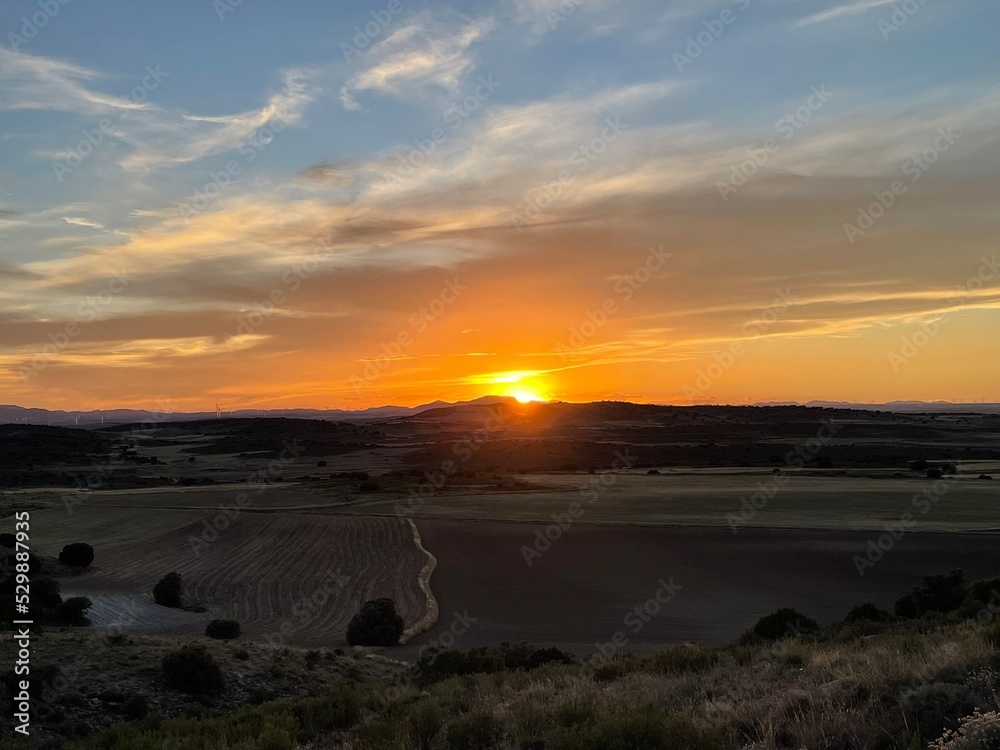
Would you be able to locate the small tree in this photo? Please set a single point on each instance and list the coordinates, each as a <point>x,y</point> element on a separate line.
<point>377,624</point>
<point>192,669</point>
<point>783,623</point>
<point>168,591</point>
<point>73,611</point>
<point>223,630</point>
<point>79,555</point>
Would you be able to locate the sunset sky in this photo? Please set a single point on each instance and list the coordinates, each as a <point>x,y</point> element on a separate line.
<point>330,204</point>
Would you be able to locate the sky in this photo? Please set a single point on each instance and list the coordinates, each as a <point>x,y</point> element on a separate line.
<point>268,204</point>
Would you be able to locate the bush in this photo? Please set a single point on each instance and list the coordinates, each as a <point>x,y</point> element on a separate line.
<point>223,630</point>
<point>691,659</point>
<point>938,706</point>
<point>649,729</point>
<point>167,592</point>
<point>781,624</point>
<point>136,707</point>
<point>79,555</point>
<point>940,593</point>
<point>435,665</point>
<point>45,591</point>
<point>985,590</point>
<point>377,624</point>
<point>192,669</point>
<point>977,732</point>
<point>473,732</point>
<point>73,611</point>
<point>369,487</point>
<point>867,612</point>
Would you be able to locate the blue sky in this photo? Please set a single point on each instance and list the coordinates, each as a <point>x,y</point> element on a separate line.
<point>301,140</point>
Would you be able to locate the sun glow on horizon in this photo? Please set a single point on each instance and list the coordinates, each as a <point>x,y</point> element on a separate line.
<point>526,395</point>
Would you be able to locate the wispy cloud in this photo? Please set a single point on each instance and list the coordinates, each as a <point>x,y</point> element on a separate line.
<point>846,9</point>
<point>422,54</point>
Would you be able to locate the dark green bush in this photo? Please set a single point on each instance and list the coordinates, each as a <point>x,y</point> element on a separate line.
<point>377,624</point>
<point>223,630</point>
<point>78,555</point>
<point>167,592</point>
<point>682,659</point>
<point>192,669</point>
<point>867,612</point>
<point>985,590</point>
<point>783,623</point>
<point>939,593</point>
<point>73,611</point>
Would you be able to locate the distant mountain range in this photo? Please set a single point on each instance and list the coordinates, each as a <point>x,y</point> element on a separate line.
<point>10,414</point>
<point>17,414</point>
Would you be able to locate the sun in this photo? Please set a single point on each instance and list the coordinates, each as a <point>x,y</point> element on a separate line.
<point>525,395</point>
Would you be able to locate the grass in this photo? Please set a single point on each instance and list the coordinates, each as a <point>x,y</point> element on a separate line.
<point>883,686</point>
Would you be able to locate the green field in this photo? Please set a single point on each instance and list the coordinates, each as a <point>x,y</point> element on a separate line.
<point>711,500</point>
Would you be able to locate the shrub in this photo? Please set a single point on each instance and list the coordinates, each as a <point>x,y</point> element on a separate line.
<point>377,624</point>
<point>223,630</point>
<point>45,591</point>
<point>369,487</point>
<point>938,706</point>
<point>79,555</point>
<point>991,633</point>
<point>682,659</point>
<point>986,589</point>
<point>73,611</point>
<point>167,592</point>
<point>939,593</point>
<point>648,729</point>
<point>472,732</point>
<point>976,732</point>
<point>867,612</point>
<point>435,665</point>
<point>136,707</point>
<point>781,624</point>
<point>192,669</point>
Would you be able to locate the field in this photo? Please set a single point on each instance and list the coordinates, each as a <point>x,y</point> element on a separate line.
<point>581,590</point>
<point>712,499</point>
<point>287,577</point>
